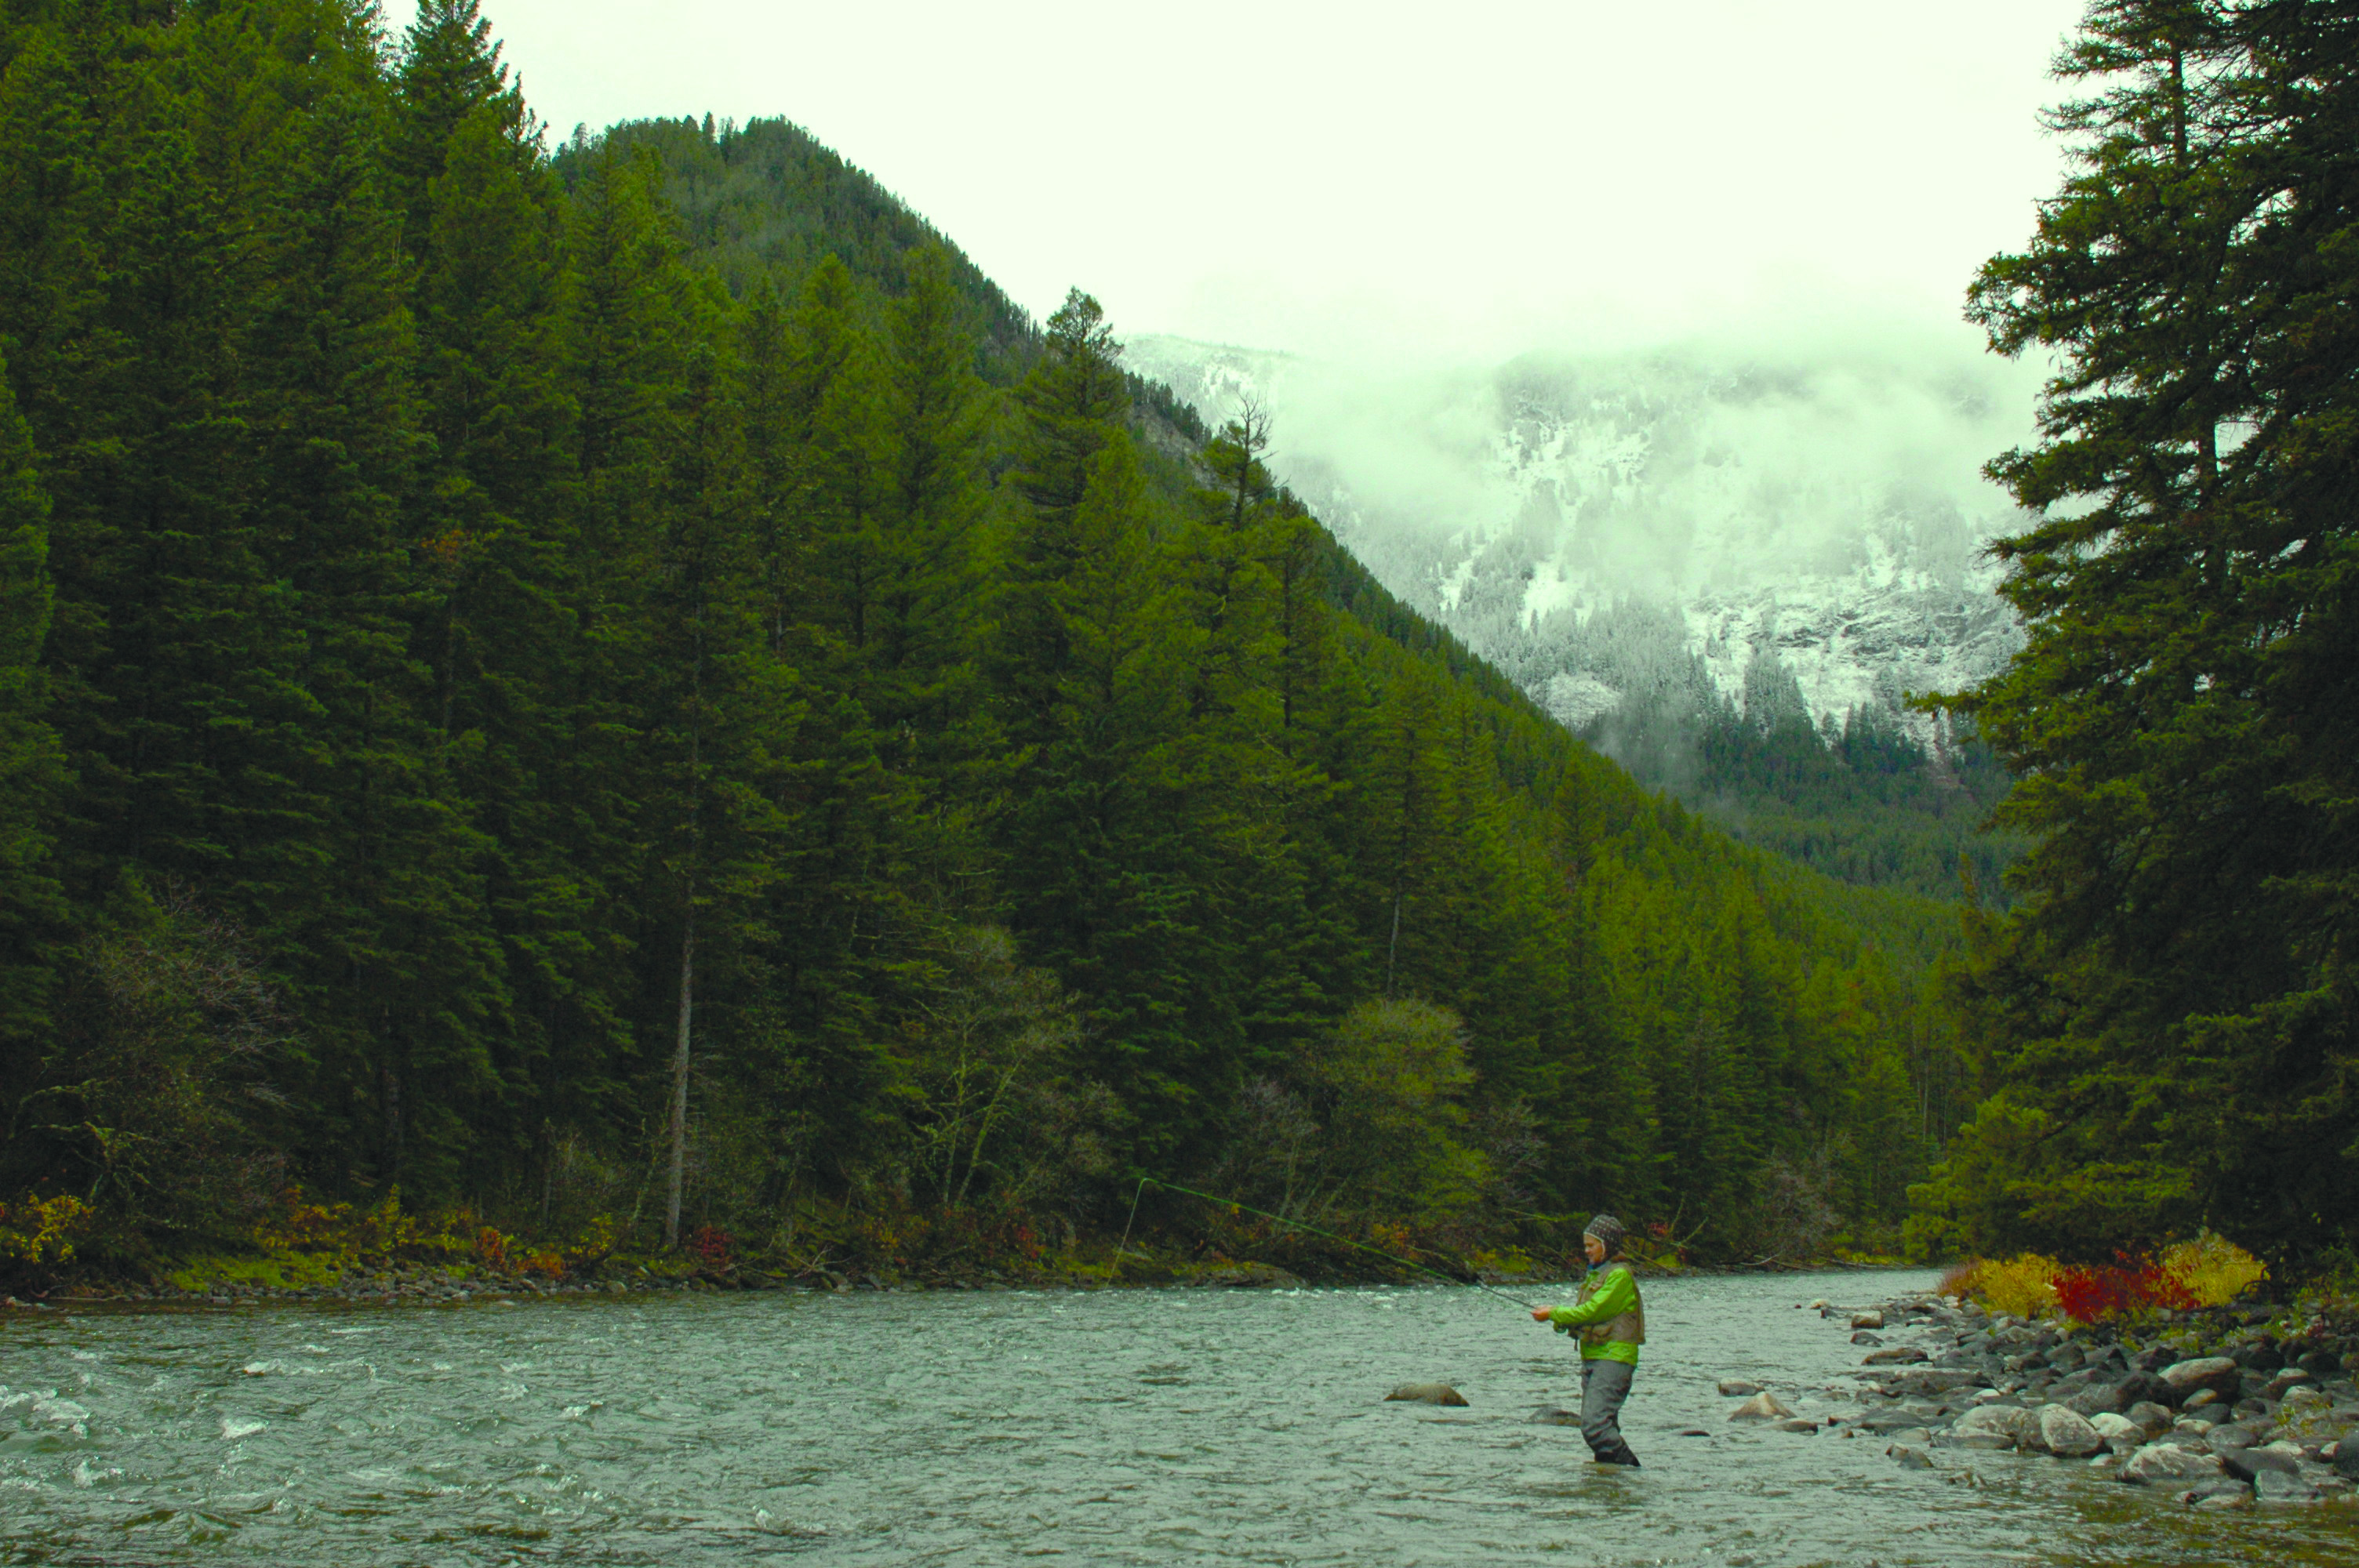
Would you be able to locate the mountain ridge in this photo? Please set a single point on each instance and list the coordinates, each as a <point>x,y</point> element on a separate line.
<point>1667,550</point>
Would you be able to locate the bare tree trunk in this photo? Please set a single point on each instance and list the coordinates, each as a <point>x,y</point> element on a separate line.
<point>680,1078</point>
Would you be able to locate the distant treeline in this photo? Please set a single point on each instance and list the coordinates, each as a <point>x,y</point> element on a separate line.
<point>1871,795</point>
<point>1866,801</point>
<point>634,684</point>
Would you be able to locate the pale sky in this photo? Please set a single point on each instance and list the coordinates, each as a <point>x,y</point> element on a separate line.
<point>1469,180</point>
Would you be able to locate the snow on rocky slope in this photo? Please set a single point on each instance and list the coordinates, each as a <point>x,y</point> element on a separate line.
<point>1612,530</point>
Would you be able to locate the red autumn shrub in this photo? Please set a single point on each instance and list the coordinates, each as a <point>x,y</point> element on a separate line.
<point>2130,1285</point>
<point>712,1245</point>
<point>2084,1295</point>
<point>2162,1288</point>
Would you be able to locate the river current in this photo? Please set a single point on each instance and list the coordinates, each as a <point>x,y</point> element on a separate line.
<point>1114,1427</point>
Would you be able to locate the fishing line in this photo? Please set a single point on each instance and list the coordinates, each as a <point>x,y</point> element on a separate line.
<point>1147,1182</point>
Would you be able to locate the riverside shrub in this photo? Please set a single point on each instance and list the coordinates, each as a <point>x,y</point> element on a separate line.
<point>42,1230</point>
<point>2023,1286</point>
<point>2207,1271</point>
<point>2213,1270</point>
<point>2131,1286</point>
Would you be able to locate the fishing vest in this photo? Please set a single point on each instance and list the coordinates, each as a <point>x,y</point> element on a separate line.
<point>1629,1328</point>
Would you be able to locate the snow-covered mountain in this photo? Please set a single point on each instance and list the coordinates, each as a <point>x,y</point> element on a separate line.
<point>1802,527</point>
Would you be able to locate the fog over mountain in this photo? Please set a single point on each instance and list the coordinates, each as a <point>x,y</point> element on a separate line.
<point>1798,528</point>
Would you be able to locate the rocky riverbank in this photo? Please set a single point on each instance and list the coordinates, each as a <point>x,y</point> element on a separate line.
<point>2227,1409</point>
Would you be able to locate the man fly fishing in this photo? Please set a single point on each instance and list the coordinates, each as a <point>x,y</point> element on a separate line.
<point>1611,1322</point>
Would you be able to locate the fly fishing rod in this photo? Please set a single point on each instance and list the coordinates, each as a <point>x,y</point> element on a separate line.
<point>1147,1182</point>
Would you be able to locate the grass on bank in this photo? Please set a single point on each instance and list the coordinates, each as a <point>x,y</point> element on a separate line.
<point>62,1247</point>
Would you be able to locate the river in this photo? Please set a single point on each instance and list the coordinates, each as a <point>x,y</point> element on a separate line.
<point>1113,1427</point>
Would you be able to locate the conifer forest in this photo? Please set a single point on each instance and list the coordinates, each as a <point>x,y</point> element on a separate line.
<point>613,683</point>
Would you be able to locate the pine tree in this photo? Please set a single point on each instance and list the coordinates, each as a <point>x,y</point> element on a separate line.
<point>450,73</point>
<point>497,589</point>
<point>927,686</point>
<point>1070,404</point>
<point>31,771</point>
<point>2170,1005</point>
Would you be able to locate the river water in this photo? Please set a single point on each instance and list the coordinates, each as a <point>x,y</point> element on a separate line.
<point>1114,1427</point>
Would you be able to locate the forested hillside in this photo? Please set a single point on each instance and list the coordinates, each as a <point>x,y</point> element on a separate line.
<point>634,688</point>
<point>1862,799</point>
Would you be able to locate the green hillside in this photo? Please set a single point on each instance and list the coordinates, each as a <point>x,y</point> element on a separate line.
<point>634,690</point>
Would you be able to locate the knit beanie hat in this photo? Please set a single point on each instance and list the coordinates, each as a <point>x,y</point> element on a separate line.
<point>1608,1229</point>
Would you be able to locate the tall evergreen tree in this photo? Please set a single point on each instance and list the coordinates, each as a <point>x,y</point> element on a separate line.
<point>2169,1014</point>
<point>31,771</point>
<point>1070,404</point>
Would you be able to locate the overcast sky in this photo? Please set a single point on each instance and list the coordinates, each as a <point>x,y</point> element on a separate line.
<point>1471,180</point>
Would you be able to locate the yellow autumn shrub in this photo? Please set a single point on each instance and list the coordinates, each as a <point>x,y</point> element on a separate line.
<point>42,1230</point>
<point>2023,1286</point>
<point>2214,1269</point>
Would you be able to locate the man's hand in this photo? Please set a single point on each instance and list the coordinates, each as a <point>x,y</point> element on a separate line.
<point>1540,1314</point>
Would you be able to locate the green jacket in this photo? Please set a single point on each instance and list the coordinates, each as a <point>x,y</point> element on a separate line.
<point>1608,1313</point>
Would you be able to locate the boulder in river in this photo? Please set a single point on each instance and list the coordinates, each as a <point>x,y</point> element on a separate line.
<point>2066,1433</point>
<point>1763,1406</point>
<point>1910,1458</point>
<point>2119,1395</point>
<point>2152,1417</point>
<point>1427,1394</point>
<point>2018,1427</point>
<point>1550,1415</point>
<point>2250,1463</point>
<point>2161,1464</point>
<point>1864,1337</point>
<point>1799,1424</point>
<point>2119,1432</point>
<point>2219,1492</point>
<point>1738,1389</point>
<point>1920,1382</point>
<point>2283,1487</point>
<point>1867,1320</point>
<point>1897,1356</point>
<point>2223,1377</point>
